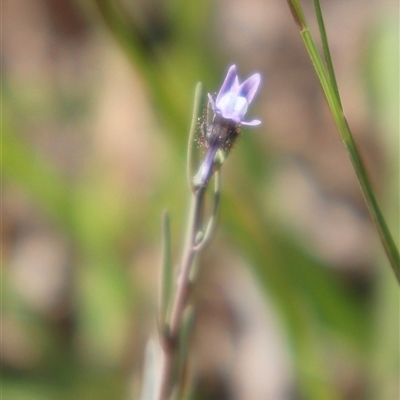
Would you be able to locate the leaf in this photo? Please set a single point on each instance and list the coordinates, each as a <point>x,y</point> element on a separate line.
<point>166,273</point>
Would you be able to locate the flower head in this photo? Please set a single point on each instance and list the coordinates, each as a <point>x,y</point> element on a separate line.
<point>233,98</point>
<point>229,107</point>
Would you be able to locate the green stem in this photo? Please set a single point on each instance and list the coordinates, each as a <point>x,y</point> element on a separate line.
<point>328,83</point>
<point>325,46</point>
<point>171,339</point>
<point>171,342</point>
<point>197,109</point>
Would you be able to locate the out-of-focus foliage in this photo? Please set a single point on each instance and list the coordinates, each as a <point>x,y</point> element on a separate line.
<point>97,99</point>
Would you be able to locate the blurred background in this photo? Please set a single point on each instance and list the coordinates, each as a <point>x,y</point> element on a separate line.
<point>295,299</point>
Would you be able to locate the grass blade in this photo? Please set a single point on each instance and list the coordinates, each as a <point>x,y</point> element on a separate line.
<point>332,96</point>
<point>327,53</point>
<point>166,273</point>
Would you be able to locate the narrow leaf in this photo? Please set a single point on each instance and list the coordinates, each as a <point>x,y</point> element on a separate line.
<point>166,273</point>
<point>197,110</point>
<point>209,231</point>
<point>327,53</point>
<point>335,106</point>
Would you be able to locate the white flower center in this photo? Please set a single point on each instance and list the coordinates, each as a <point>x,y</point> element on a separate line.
<point>233,105</point>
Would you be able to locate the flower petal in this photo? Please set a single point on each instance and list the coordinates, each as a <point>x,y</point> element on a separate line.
<point>236,85</point>
<point>232,107</point>
<point>233,98</point>
<point>249,87</point>
<point>231,81</point>
<point>254,122</point>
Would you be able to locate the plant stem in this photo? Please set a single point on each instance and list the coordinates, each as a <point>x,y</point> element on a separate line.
<point>327,79</point>
<point>327,53</point>
<point>358,165</point>
<point>170,341</point>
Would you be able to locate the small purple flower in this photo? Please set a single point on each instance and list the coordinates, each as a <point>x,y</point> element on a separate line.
<point>234,98</point>
<point>229,109</point>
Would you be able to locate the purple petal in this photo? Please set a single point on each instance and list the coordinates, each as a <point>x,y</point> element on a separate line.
<point>249,87</point>
<point>236,85</point>
<point>255,122</point>
<point>231,80</point>
<point>232,106</point>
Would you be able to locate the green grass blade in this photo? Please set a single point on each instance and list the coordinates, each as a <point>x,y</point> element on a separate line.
<point>325,46</point>
<point>344,130</point>
<point>166,272</point>
<point>197,109</point>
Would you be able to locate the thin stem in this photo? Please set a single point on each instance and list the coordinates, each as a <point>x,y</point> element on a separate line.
<point>208,233</point>
<point>170,342</point>
<point>166,273</point>
<point>358,165</point>
<point>328,82</point>
<point>187,260</point>
<point>327,52</point>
